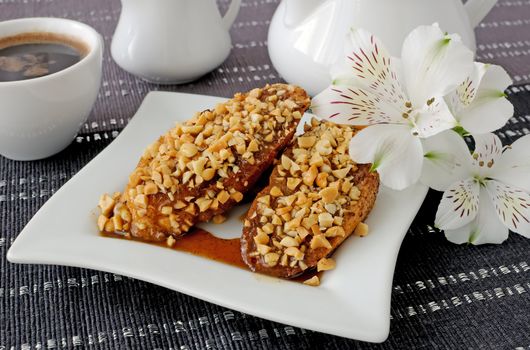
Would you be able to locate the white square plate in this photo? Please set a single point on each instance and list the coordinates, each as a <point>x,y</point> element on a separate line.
<point>353,300</point>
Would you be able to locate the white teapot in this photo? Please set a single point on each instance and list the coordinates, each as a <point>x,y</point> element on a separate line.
<point>307,36</point>
<point>172,41</point>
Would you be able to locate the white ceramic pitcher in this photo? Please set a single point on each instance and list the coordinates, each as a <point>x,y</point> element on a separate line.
<point>307,36</point>
<point>172,41</point>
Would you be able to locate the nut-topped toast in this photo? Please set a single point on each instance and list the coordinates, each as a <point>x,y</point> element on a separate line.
<point>202,168</point>
<point>315,199</point>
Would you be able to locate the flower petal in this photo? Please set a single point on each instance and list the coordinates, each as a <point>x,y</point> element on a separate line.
<point>488,149</point>
<point>495,78</point>
<point>483,105</point>
<point>485,228</point>
<point>354,106</point>
<point>372,65</point>
<point>446,160</point>
<point>466,92</point>
<point>513,166</point>
<point>512,206</point>
<point>433,63</point>
<point>393,151</point>
<point>459,205</point>
<point>489,115</point>
<point>433,118</point>
<point>366,88</point>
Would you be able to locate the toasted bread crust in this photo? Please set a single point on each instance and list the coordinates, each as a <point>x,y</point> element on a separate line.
<point>231,146</point>
<point>354,212</point>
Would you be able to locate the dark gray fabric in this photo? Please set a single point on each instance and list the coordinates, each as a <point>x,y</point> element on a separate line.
<point>444,296</point>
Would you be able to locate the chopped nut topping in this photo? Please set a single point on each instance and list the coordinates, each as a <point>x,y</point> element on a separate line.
<point>335,231</point>
<point>203,204</point>
<point>106,204</point>
<point>140,201</point>
<point>266,200</point>
<point>253,146</point>
<point>312,194</point>
<point>361,230</point>
<point>219,219</point>
<point>322,180</point>
<point>102,220</point>
<point>289,242</point>
<point>341,173</point>
<point>188,149</point>
<point>325,264</point>
<point>329,194</point>
<point>355,193</point>
<point>166,210</point>
<point>268,228</point>
<point>261,238</point>
<point>292,183</point>
<point>170,241</point>
<point>323,147</point>
<point>237,196</point>
<point>319,241</point>
<point>208,174</point>
<point>263,249</point>
<point>109,226</point>
<point>276,192</point>
<point>188,173</point>
<point>150,188</point>
<point>271,259</point>
<point>223,197</point>
<point>306,141</point>
<point>310,175</point>
<point>325,219</point>
<point>313,281</point>
<point>125,214</point>
<point>286,162</point>
<point>294,252</point>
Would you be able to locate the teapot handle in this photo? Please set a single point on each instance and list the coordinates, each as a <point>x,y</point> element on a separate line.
<point>231,14</point>
<point>478,9</point>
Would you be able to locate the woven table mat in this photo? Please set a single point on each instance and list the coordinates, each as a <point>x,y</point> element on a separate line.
<point>444,295</point>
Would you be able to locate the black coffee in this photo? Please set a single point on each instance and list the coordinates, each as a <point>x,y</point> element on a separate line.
<point>33,55</point>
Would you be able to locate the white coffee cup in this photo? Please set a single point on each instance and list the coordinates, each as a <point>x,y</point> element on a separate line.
<point>41,116</point>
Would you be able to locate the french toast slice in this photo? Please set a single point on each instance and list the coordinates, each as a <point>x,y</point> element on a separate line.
<point>203,167</point>
<point>315,199</point>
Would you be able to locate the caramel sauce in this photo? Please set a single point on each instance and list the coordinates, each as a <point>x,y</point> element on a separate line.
<point>202,243</point>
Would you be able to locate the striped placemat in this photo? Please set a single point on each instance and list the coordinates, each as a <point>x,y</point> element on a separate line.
<point>444,296</point>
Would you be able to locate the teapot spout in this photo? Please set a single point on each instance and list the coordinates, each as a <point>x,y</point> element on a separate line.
<point>297,10</point>
<point>478,9</point>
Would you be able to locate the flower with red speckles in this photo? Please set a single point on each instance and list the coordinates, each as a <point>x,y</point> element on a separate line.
<point>405,101</point>
<point>410,106</point>
<point>486,193</point>
<point>479,104</point>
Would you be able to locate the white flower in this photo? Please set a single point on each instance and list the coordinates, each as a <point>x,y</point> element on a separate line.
<point>402,100</point>
<point>486,192</point>
<point>479,103</point>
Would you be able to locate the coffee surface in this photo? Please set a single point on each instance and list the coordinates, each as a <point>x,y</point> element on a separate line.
<point>33,55</point>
